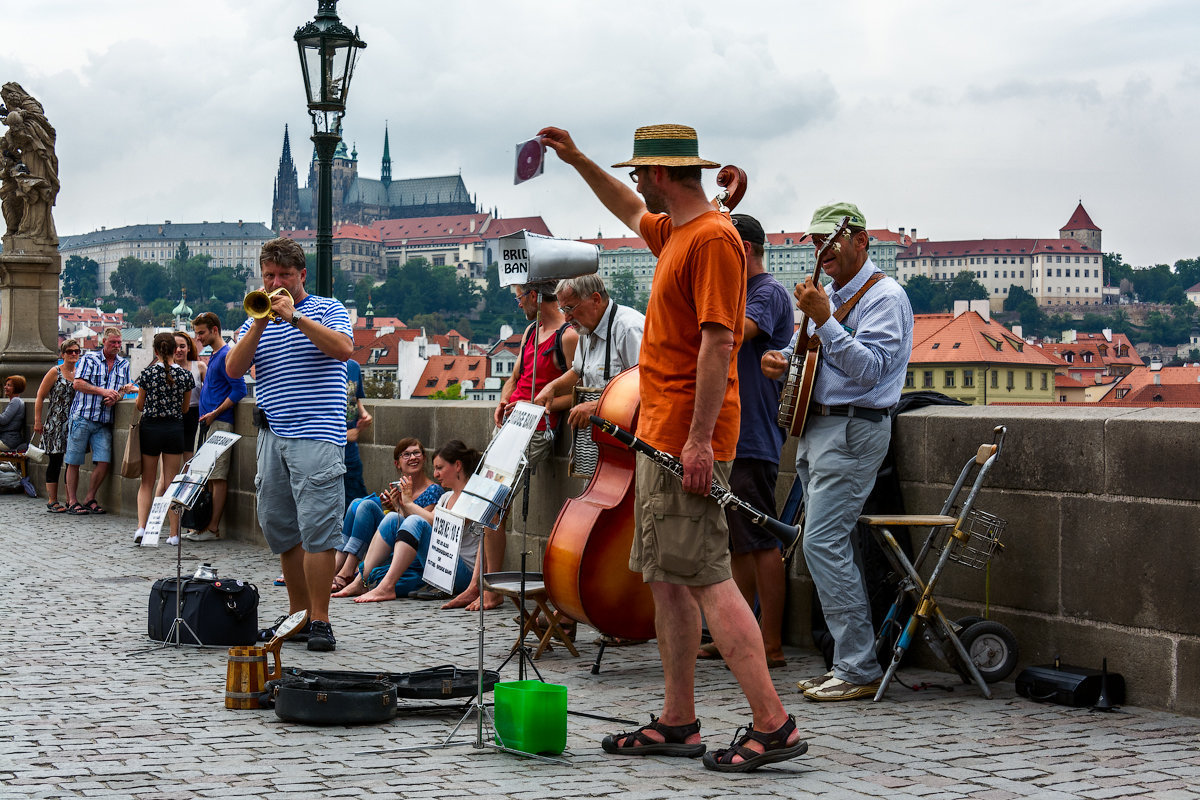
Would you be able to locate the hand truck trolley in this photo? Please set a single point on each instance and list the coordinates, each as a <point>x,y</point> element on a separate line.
<point>979,650</point>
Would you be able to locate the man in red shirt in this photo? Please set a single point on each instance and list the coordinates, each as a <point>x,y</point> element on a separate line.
<point>689,409</point>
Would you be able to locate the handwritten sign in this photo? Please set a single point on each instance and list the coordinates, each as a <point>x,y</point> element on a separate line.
<point>442,558</point>
<point>206,457</point>
<point>503,457</point>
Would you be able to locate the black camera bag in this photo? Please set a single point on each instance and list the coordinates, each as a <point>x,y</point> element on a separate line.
<point>221,612</point>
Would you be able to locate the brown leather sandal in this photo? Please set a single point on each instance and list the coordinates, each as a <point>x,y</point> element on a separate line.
<point>775,748</point>
<point>637,743</point>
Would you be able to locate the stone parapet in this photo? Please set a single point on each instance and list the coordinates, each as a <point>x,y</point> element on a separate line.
<point>1103,511</point>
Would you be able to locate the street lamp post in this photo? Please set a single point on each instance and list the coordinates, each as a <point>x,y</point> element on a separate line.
<point>328,51</point>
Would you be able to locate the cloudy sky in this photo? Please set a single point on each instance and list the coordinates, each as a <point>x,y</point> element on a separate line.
<point>963,119</point>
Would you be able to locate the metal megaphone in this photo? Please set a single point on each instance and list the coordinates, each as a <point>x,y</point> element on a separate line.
<point>258,303</point>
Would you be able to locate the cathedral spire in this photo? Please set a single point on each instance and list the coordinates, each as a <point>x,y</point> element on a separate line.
<point>385,172</point>
<point>285,205</point>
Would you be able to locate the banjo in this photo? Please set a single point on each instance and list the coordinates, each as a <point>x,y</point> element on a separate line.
<point>806,358</point>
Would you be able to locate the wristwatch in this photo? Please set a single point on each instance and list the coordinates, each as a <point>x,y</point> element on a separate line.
<point>296,317</point>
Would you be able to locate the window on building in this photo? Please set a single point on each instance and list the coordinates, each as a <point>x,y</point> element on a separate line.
<point>948,382</point>
<point>968,379</point>
<point>439,261</point>
<point>927,379</point>
<point>909,383</point>
<point>1044,382</point>
<point>1011,382</point>
<point>995,379</point>
<point>1028,379</point>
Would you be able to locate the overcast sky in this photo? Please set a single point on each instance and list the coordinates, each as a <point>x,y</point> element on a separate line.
<point>963,119</point>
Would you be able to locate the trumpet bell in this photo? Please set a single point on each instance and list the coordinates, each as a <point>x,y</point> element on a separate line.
<point>257,303</point>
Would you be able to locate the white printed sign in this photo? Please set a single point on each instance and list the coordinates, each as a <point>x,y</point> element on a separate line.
<point>514,259</point>
<point>158,514</point>
<point>442,558</point>
<point>206,457</point>
<point>503,457</point>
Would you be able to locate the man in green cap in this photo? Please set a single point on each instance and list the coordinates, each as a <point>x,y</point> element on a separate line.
<point>689,409</point>
<point>863,360</point>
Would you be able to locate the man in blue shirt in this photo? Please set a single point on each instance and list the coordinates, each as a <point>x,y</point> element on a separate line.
<point>300,393</point>
<point>756,560</point>
<point>219,395</point>
<point>864,357</point>
<point>101,378</point>
<point>357,418</point>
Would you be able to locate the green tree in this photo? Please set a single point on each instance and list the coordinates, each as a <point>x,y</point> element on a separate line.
<point>182,253</point>
<point>80,278</point>
<point>1188,270</point>
<point>925,296</point>
<point>379,388</point>
<point>1017,297</point>
<point>452,392</point>
<point>623,288</point>
<point>1153,283</point>
<point>965,287</point>
<point>1116,270</point>
<point>434,324</point>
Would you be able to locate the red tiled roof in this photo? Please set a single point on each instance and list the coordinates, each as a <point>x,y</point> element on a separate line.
<point>1142,376</point>
<point>442,372</point>
<point>970,339</point>
<point>1103,350</point>
<point>344,231</point>
<point>502,227</point>
<point>995,247</point>
<point>364,344</point>
<point>1067,382</point>
<point>457,227</point>
<point>616,243</point>
<point>380,322</point>
<point>1080,221</point>
<point>1173,393</point>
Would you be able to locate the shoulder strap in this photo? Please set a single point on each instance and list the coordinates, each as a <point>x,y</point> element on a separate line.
<point>560,358</point>
<point>521,351</point>
<point>848,306</point>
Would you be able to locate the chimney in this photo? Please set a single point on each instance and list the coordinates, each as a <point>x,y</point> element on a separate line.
<point>1017,331</point>
<point>913,233</point>
<point>1107,334</point>
<point>983,308</point>
<point>961,307</point>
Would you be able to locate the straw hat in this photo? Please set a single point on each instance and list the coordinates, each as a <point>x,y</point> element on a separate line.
<point>666,146</point>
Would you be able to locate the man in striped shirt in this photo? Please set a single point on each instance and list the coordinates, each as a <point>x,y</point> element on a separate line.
<point>300,393</point>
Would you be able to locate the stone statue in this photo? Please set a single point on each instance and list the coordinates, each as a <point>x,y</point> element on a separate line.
<point>28,171</point>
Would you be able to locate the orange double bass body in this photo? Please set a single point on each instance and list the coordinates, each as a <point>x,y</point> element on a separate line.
<point>586,566</point>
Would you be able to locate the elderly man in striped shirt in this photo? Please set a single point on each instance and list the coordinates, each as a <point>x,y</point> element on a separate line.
<point>300,392</point>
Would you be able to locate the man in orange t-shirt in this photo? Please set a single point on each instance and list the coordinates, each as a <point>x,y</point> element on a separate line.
<point>689,409</point>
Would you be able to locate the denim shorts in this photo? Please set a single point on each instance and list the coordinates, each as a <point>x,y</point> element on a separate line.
<point>84,433</point>
<point>300,492</point>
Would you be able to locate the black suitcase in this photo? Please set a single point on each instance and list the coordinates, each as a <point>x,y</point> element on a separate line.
<point>221,612</point>
<point>1066,685</point>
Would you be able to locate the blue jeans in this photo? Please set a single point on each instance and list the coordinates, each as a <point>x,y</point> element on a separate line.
<point>836,460</point>
<point>358,525</point>
<point>411,579</point>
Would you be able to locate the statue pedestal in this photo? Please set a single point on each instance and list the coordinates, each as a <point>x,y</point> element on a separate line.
<point>29,305</point>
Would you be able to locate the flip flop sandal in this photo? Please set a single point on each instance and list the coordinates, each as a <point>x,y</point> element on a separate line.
<point>78,510</point>
<point>56,507</point>
<point>775,748</point>
<point>709,652</point>
<point>637,743</point>
<point>339,583</point>
<point>94,508</point>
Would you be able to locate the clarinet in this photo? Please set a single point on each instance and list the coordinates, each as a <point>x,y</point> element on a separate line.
<point>789,535</point>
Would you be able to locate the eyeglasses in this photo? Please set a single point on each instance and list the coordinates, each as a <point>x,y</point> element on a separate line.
<point>410,455</point>
<point>521,296</point>
<point>634,175</point>
<point>569,309</point>
<point>74,351</point>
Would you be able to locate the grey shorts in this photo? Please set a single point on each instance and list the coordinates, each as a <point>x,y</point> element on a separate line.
<point>678,537</point>
<point>300,492</point>
<point>221,467</point>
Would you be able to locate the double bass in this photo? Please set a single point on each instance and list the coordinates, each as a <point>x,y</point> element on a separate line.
<point>586,565</point>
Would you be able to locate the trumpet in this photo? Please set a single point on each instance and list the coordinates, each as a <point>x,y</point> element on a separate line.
<point>258,303</point>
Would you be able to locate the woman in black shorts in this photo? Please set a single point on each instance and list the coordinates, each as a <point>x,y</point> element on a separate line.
<point>164,394</point>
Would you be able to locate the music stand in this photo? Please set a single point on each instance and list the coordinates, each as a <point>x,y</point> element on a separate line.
<point>494,508</point>
<point>182,493</point>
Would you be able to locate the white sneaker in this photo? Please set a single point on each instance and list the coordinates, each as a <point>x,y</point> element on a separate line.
<point>137,537</point>
<point>202,536</point>
<point>172,541</point>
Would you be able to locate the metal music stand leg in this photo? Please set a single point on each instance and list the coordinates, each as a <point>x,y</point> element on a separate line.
<point>179,624</point>
<point>477,707</point>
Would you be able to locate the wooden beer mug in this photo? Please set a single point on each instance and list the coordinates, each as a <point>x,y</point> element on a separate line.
<point>246,672</point>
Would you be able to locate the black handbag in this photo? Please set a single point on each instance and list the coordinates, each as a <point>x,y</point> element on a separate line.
<point>221,612</point>
<point>199,515</point>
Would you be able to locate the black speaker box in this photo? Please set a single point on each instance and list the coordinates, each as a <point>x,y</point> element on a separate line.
<point>1069,686</point>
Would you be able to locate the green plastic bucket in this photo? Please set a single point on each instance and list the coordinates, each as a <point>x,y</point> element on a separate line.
<point>531,716</point>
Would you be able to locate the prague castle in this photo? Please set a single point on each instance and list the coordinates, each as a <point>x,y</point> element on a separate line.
<point>360,200</point>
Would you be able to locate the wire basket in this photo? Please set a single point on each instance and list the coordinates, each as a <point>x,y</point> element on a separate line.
<point>983,539</point>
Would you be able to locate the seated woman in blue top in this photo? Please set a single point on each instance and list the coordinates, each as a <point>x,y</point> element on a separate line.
<point>364,514</point>
<point>395,559</point>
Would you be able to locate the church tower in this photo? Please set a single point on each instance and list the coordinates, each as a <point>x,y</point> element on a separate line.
<point>385,171</point>
<point>1081,228</point>
<point>285,206</point>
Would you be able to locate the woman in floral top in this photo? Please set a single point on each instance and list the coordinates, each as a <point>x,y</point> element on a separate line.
<point>164,394</point>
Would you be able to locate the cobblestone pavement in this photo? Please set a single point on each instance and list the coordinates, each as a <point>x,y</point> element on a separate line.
<point>84,715</point>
